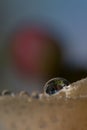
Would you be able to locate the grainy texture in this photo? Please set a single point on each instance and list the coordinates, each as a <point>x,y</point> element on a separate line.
<point>52,113</point>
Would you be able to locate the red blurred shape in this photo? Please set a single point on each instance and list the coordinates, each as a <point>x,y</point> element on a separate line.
<point>34,52</point>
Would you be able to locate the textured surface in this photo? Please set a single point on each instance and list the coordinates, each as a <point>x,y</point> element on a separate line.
<point>47,113</point>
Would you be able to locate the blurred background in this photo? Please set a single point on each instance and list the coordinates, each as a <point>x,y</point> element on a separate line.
<point>40,40</point>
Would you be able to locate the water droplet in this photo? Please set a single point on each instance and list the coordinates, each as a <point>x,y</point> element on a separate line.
<point>54,85</point>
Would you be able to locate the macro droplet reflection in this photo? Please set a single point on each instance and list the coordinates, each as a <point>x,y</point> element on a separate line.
<point>55,85</point>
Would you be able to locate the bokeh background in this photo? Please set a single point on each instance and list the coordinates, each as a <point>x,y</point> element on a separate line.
<point>64,24</point>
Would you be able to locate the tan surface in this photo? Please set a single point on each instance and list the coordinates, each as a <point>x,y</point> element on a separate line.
<point>24,113</point>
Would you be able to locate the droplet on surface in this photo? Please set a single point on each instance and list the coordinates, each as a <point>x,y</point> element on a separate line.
<point>54,85</point>
<point>24,93</point>
<point>35,95</point>
<point>7,93</point>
